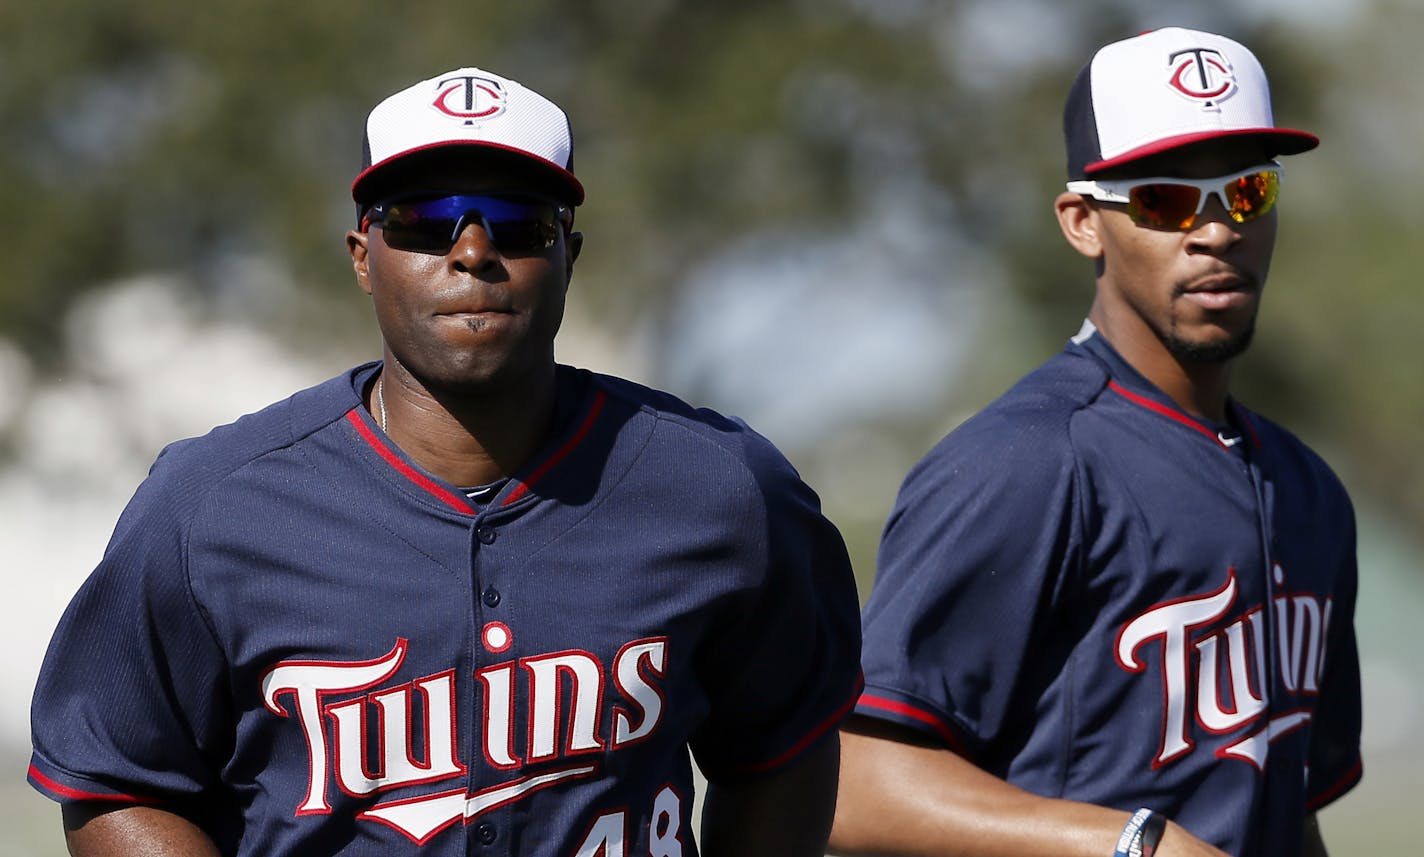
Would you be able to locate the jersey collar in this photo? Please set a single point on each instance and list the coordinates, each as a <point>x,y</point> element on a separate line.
<point>1130,384</point>
<point>577,409</point>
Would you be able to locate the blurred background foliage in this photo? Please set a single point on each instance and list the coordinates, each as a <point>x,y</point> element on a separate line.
<point>158,136</point>
<point>767,182</point>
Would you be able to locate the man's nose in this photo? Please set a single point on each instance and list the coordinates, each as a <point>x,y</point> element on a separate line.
<point>474,248</point>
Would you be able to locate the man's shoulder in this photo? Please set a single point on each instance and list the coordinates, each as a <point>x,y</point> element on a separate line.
<point>1036,412</point>
<point>1017,446</point>
<point>691,435</point>
<point>659,405</point>
<point>278,426</point>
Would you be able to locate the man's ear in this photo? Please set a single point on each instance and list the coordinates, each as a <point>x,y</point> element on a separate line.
<point>356,245</point>
<point>1080,221</point>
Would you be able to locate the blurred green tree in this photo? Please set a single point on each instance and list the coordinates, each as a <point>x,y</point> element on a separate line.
<point>159,136</point>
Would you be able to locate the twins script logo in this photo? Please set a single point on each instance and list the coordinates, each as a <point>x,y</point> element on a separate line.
<point>469,98</point>
<point>363,741</point>
<point>1202,75</point>
<point>1230,688</point>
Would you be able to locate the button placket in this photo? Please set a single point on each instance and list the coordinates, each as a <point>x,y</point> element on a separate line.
<point>485,535</point>
<point>494,638</point>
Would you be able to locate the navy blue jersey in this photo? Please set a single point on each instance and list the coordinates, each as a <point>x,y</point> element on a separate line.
<point>1094,596</point>
<point>309,645</point>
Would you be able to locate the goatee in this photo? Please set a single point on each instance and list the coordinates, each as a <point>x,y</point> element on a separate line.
<point>1210,352</point>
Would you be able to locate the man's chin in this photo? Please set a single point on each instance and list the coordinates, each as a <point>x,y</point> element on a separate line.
<point>1216,351</point>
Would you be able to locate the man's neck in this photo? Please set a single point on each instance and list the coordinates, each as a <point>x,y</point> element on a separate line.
<point>465,437</point>
<point>1201,389</point>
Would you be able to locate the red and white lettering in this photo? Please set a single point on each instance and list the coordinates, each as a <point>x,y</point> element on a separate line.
<point>308,682</point>
<point>1236,651</point>
<point>498,682</point>
<point>607,835</point>
<point>585,676</point>
<point>644,693</point>
<point>665,832</point>
<point>1242,703</point>
<point>372,745</point>
<point>398,765</point>
<point>1171,623</point>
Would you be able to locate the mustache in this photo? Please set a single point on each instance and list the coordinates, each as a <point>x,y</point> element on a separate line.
<point>1220,279</point>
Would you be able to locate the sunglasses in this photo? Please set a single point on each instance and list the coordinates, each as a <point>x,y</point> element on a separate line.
<point>433,224</point>
<point>1171,203</point>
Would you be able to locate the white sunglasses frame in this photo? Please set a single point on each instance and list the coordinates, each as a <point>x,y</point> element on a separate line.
<point>1117,190</point>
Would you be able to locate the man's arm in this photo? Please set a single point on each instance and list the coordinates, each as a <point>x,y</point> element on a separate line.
<point>902,796</point>
<point>98,830</point>
<point>787,814</point>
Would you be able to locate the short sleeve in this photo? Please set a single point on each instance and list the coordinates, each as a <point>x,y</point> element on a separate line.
<point>785,672</point>
<point>1335,762</point>
<point>975,555</point>
<point>130,703</point>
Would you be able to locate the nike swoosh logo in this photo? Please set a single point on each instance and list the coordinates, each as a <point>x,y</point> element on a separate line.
<point>420,818</point>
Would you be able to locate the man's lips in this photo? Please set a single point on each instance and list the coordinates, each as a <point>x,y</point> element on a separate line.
<point>1221,300</point>
<point>1220,291</point>
<point>1223,281</point>
<point>470,301</point>
<point>480,321</point>
<point>471,306</point>
<point>470,313</point>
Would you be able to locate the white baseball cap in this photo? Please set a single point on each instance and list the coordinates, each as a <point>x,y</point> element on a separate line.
<point>473,109</point>
<point>1165,89</point>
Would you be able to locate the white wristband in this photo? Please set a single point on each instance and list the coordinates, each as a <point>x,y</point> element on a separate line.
<point>1129,844</point>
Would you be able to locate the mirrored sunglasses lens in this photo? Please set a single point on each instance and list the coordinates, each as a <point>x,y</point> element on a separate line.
<point>516,225</point>
<point>1163,206</point>
<point>411,226</point>
<point>1251,196</point>
<point>523,236</point>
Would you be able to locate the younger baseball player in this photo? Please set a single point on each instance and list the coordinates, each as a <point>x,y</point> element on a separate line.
<point>1113,613</point>
<point>464,600</point>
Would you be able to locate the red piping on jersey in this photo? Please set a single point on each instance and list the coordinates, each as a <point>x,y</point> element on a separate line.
<point>1341,786</point>
<point>939,726</point>
<point>806,740</point>
<point>559,454</point>
<point>454,502</point>
<point>1167,412</point>
<point>75,794</point>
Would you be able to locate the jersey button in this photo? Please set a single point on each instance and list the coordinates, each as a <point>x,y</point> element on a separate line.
<point>485,535</point>
<point>486,833</point>
<point>491,597</point>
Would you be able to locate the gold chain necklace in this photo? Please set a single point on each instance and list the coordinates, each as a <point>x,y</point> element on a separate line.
<point>381,399</point>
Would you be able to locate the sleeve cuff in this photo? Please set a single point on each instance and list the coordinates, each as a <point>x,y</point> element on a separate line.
<point>64,787</point>
<point>804,743</point>
<point>919,718</point>
<point>1338,788</point>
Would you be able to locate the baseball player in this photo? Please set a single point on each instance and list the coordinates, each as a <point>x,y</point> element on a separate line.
<point>464,600</point>
<point>1113,612</point>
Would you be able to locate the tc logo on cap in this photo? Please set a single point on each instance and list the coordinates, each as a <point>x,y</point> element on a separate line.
<point>1203,75</point>
<point>469,98</point>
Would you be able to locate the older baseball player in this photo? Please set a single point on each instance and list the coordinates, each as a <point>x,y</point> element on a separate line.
<point>465,600</point>
<point>1113,612</point>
